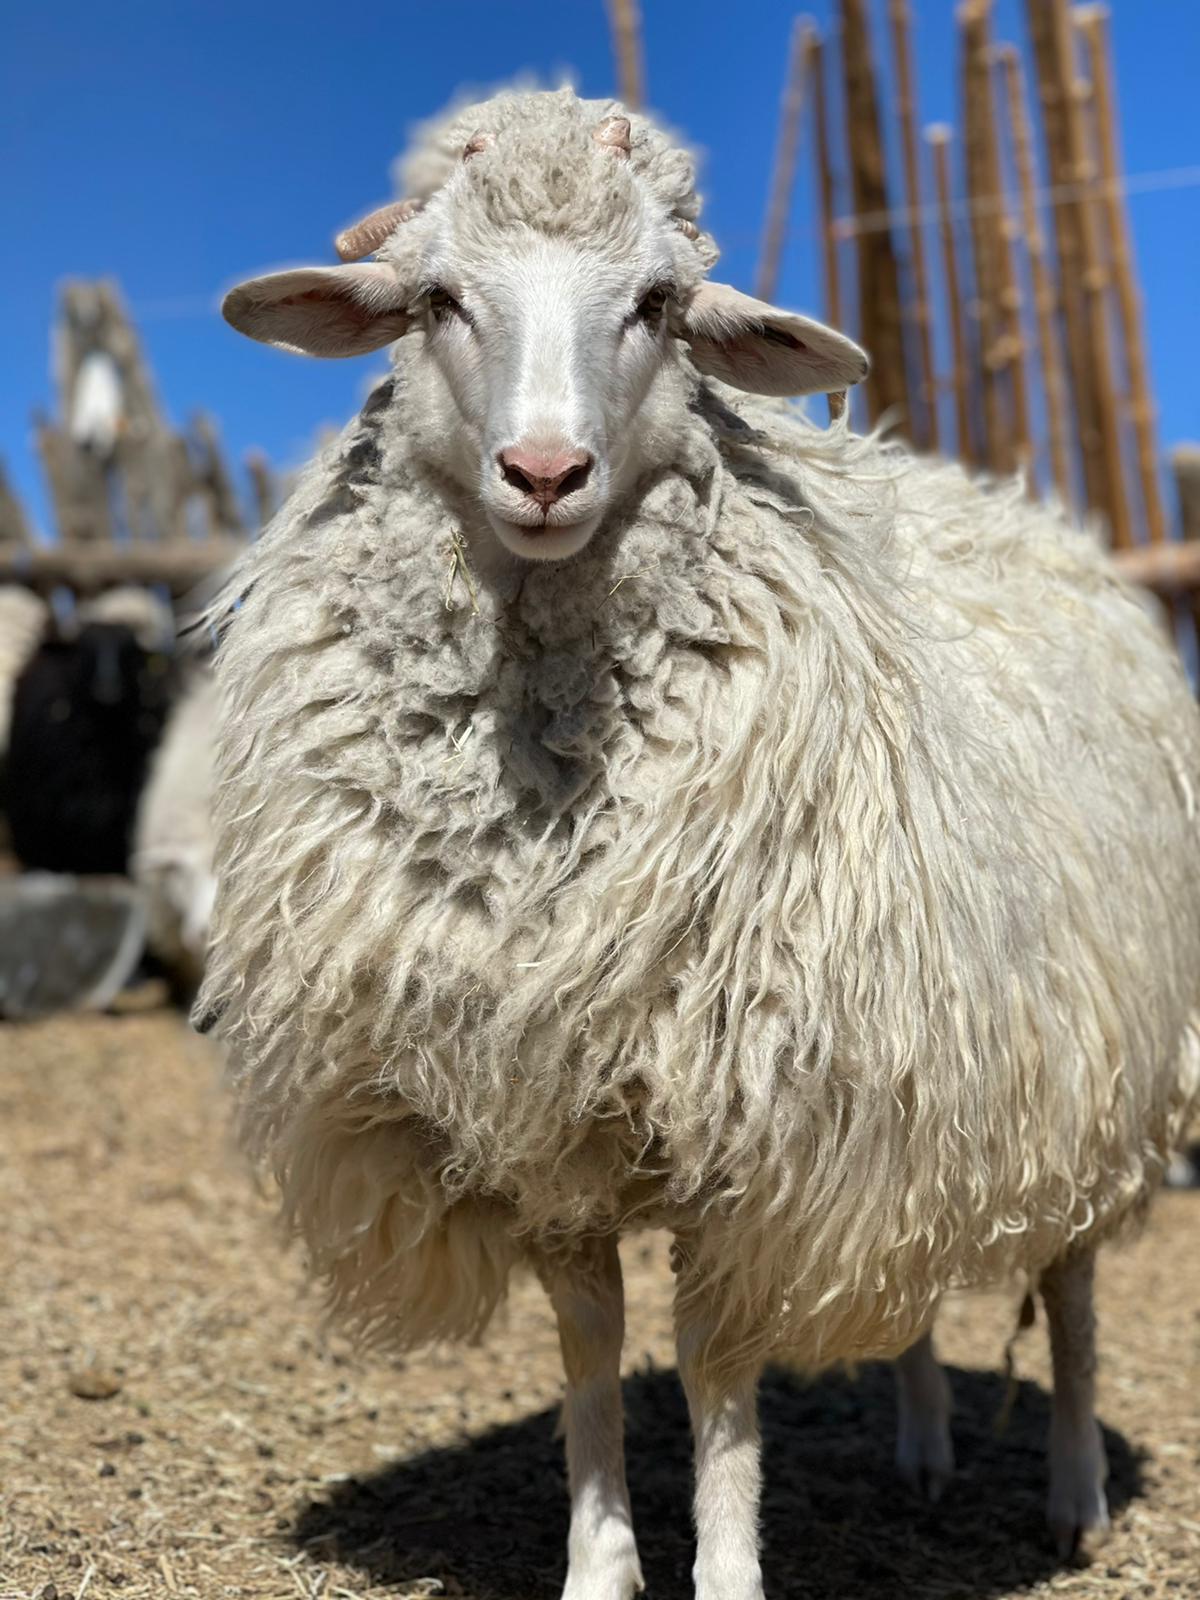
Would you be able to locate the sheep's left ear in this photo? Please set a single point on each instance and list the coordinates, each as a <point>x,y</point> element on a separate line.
<point>757,347</point>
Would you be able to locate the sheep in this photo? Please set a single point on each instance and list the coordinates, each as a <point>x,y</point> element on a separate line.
<point>637,806</point>
<point>172,853</point>
<point>88,709</point>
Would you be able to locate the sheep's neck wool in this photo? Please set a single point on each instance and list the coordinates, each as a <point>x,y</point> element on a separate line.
<point>775,861</point>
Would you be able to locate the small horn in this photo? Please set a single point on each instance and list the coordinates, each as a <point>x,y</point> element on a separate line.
<point>363,237</point>
<point>476,143</point>
<point>613,132</point>
<point>689,230</point>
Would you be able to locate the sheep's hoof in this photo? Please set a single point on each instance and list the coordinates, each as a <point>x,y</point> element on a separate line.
<point>617,1578</point>
<point>1077,1510</point>
<point>924,1454</point>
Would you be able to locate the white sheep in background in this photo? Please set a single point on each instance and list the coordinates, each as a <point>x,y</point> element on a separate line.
<point>637,806</point>
<point>127,604</point>
<point>173,838</point>
<point>23,618</point>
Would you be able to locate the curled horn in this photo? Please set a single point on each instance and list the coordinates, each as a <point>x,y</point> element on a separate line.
<point>689,230</point>
<point>363,237</point>
<point>613,133</point>
<point>476,143</point>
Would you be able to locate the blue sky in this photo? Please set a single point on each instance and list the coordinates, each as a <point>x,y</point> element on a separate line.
<point>182,146</point>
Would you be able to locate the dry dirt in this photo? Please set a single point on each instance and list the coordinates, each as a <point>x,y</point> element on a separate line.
<point>240,1452</point>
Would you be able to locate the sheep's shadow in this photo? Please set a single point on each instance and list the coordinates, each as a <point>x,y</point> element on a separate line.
<point>490,1515</point>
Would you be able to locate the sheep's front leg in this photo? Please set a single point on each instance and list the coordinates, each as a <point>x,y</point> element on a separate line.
<point>589,1301</point>
<point>924,1454</point>
<point>1077,1463</point>
<point>722,1397</point>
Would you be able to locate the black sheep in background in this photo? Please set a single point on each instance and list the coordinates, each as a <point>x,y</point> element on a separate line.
<point>88,710</point>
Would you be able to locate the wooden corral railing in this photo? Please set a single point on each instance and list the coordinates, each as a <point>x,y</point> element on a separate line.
<point>134,500</point>
<point>1054,382</point>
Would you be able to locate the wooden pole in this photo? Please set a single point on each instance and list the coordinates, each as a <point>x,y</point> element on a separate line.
<point>78,486</point>
<point>14,528</point>
<point>1185,459</point>
<point>814,54</point>
<point>1003,390</point>
<point>1046,36</point>
<point>784,175</point>
<point>263,487</point>
<point>224,513</point>
<point>626,21</point>
<point>1093,22</point>
<point>938,138</point>
<point>880,324</point>
<point>898,16</point>
<point>1095,282</point>
<point>1044,298</point>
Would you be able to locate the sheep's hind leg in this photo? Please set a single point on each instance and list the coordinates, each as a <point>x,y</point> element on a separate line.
<point>722,1397</point>
<point>589,1301</point>
<point>1077,1464</point>
<point>924,1453</point>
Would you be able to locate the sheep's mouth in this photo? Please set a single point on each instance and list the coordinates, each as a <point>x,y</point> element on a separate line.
<point>546,540</point>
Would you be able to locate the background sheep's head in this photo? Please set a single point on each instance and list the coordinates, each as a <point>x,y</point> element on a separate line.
<point>552,260</point>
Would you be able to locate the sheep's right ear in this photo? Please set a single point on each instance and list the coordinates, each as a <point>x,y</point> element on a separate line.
<point>321,311</point>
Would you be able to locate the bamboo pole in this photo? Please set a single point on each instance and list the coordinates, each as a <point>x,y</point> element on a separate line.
<point>14,527</point>
<point>224,513</point>
<point>1185,459</point>
<point>1046,37</point>
<point>1044,299</point>
<point>880,323</point>
<point>814,56</point>
<point>263,487</point>
<point>898,16</point>
<point>1096,282</point>
<point>973,46</point>
<point>78,486</point>
<point>626,19</point>
<point>938,138</point>
<point>784,176</point>
<point>1093,22</point>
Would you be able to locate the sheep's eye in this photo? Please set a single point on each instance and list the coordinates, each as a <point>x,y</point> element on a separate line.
<point>651,305</point>
<point>443,304</point>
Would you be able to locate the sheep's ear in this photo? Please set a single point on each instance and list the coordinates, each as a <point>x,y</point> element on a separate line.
<point>321,311</point>
<point>757,347</point>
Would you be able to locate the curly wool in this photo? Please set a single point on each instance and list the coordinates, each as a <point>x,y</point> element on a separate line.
<point>658,161</point>
<point>809,866</point>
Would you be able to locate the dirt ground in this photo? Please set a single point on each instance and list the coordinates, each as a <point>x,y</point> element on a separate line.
<point>232,1449</point>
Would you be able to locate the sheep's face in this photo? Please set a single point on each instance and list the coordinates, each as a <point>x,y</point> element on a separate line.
<point>543,355</point>
<point>564,316</point>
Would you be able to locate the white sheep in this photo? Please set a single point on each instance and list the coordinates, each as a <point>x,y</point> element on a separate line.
<point>23,618</point>
<point>173,845</point>
<point>639,807</point>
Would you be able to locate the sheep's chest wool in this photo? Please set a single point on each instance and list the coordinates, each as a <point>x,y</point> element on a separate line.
<point>816,852</point>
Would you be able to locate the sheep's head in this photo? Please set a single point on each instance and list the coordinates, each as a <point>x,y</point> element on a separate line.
<point>557,273</point>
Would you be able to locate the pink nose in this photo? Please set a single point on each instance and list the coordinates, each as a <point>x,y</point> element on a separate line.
<point>545,476</point>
